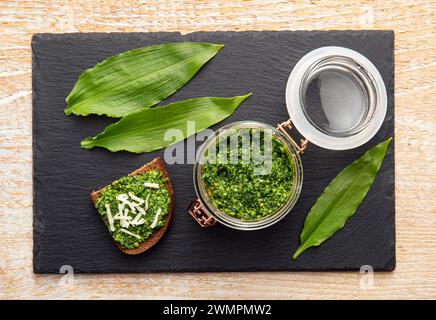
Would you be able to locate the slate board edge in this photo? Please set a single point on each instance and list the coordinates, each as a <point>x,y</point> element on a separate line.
<point>37,223</point>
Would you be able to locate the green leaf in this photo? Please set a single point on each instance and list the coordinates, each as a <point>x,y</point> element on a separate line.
<point>137,79</point>
<point>341,198</point>
<point>144,130</point>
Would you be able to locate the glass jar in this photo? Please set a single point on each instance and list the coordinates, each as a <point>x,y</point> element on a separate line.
<point>232,222</point>
<point>336,99</point>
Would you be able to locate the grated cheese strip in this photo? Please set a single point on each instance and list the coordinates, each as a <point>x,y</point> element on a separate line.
<point>120,212</point>
<point>122,197</point>
<point>126,219</point>
<point>110,218</point>
<point>131,205</point>
<point>146,202</point>
<point>151,185</point>
<point>141,210</point>
<point>136,219</point>
<point>139,200</point>
<point>130,233</point>
<point>156,217</point>
<point>139,222</point>
<point>123,218</point>
<point>123,213</point>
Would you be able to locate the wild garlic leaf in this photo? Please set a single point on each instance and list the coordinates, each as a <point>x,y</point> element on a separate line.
<point>341,198</point>
<point>144,130</point>
<point>137,79</point>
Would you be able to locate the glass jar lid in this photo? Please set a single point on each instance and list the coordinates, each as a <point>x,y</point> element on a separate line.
<point>336,98</point>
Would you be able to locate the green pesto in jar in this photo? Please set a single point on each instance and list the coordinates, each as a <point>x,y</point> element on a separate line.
<point>154,199</point>
<point>236,188</point>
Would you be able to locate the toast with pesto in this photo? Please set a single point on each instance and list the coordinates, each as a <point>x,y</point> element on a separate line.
<point>137,209</point>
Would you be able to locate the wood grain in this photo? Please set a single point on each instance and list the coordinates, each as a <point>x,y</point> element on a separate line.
<point>414,23</point>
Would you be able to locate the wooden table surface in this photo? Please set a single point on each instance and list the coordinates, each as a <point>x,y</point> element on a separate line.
<point>414,23</point>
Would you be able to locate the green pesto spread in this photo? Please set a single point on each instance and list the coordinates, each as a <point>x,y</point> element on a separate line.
<point>233,186</point>
<point>154,200</point>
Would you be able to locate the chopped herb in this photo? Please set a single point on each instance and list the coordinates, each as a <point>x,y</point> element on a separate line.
<point>236,189</point>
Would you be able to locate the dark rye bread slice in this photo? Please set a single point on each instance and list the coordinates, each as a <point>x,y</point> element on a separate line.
<point>156,164</point>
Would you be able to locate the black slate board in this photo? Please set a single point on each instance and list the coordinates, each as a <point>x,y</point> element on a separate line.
<point>68,231</point>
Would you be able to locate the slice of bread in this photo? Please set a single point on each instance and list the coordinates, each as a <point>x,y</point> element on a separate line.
<point>158,165</point>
